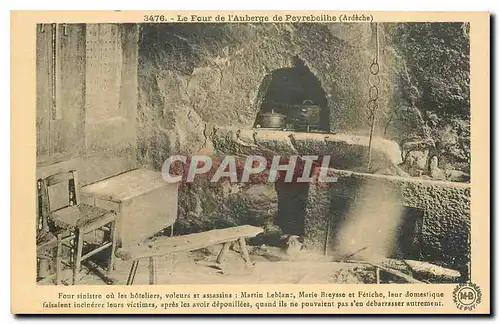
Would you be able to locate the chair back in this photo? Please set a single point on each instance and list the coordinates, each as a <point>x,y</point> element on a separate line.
<point>42,225</point>
<point>69,177</point>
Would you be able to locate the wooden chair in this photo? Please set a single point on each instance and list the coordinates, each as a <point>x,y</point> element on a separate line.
<point>46,242</point>
<point>74,221</point>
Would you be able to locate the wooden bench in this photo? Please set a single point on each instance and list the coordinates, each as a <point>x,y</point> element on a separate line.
<point>168,245</point>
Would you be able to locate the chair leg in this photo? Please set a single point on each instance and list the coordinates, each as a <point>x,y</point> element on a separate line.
<point>72,250</point>
<point>78,255</point>
<point>133,270</point>
<point>112,257</point>
<point>58,259</point>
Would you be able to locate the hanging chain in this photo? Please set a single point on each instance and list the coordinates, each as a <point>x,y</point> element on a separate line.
<point>373,104</point>
<point>374,82</point>
<point>54,71</point>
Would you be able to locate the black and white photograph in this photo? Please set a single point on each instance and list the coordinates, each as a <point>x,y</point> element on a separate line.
<point>303,151</point>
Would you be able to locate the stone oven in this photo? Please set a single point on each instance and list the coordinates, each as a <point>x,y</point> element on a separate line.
<point>205,90</point>
<point>296,94</point>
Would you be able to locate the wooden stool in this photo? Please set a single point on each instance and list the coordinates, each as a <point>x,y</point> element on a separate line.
<point>168,245</point>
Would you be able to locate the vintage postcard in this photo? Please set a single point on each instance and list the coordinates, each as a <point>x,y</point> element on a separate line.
<point>272,162</point>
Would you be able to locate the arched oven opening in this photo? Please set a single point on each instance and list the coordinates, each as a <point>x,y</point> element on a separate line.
<point>293,99</point>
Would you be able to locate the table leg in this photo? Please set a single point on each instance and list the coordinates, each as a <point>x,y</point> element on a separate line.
<point>225,248</point>
<point>152,271</point>
<point>244,250</point>
<point>112,257</point>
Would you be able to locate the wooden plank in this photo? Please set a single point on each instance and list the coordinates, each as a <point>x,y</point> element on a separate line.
<point>396,273</point>
<point>126,185</point>
<point>43,88</point>
<point>91,168</point>
<point>67,125</point>
<point>58,178</point>
<point>433,270</point>
<point>191,242</point>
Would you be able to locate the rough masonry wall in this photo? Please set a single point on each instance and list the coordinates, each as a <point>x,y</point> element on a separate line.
<point>197,79</point>
<point>194,76</point>
<point>445,206</point>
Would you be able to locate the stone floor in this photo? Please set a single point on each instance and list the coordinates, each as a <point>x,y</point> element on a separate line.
<point>271,266</point>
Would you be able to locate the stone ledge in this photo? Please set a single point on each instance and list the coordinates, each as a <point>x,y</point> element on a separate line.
<point>346,151</point>
<point>388,178</point>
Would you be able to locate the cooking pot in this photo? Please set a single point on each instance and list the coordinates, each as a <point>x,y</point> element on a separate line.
<point>305,115</point>
<point>271,120</point>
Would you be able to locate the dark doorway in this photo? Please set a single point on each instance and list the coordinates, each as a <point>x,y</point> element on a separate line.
<point>409,235</point>
<point>292,200</point>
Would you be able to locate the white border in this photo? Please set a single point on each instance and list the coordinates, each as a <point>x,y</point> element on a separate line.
<point>420,5</point>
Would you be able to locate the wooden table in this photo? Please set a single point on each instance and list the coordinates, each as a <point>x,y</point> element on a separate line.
<point>145,204</point>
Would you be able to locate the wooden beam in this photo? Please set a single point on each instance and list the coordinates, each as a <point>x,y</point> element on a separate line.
<point>432,270</point>
<point>396,273</point>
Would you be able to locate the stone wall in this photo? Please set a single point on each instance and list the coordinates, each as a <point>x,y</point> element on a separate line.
<point>199,91</point>
<point>192,77</point>
<point>446,212</point>
<point>205,205</point>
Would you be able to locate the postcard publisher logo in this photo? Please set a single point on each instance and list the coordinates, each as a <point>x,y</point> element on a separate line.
<point>467,296</point>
